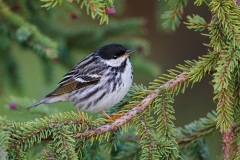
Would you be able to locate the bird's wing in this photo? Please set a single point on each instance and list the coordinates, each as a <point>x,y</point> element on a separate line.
<point>87,72</point>
<point>73,81</point>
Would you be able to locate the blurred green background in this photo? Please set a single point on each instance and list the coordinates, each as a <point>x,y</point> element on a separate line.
<point>158,49</point>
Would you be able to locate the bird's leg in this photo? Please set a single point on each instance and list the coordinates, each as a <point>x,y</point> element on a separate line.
<point>113,117</point>
<point>106,115</point>
<point>81,117</point>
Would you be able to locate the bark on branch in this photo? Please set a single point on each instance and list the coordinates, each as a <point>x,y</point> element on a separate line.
<point>227,138</point>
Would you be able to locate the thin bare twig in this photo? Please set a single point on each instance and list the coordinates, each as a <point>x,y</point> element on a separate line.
<point>136,109</point>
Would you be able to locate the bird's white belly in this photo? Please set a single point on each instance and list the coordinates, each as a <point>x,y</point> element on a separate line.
<point>113,98</point>
<point>109,100</point>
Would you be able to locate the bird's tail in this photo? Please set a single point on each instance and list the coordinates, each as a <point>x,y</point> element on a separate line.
<point>37,103</point>
<point>52,99</point>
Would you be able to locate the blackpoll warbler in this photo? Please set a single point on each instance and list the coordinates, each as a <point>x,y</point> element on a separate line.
<point>97,82</point>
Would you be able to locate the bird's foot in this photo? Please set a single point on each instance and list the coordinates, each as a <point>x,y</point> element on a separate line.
<point>113,117</point>
<point>116,116</point>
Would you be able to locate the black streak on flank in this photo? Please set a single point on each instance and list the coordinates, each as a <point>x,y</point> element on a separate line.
<point>99,98</point>
<point>90,94</point>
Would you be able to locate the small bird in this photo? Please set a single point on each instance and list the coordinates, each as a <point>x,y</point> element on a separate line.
<point>97,82</point>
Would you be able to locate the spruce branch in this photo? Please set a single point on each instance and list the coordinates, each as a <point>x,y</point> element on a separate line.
<point>224,38</point>
<point>96,8</point>
<point>144,130</point>
<point>165,128</point>
<point>199,2</point>
<point>224,27</point>
<point>135,110</point>
<point>191,138</point>
<point>205,65</point>
<point>4,138</point>
<point>198,151</point>
<point>133,155</point>
<point>195,135</point>
<point>237,94</point>
<point>63,138</point>
<point>40,128</point>
<point>197,130</point>
<point>196,22</point>
<point>174,15</point>
<point>227,14</point>
<point>28,33</point>
<point>224,91</point>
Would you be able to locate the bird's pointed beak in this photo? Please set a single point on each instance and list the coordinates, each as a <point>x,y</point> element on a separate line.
<point>128,52</point>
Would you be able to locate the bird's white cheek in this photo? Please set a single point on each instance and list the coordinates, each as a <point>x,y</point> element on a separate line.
<point>115,62</point>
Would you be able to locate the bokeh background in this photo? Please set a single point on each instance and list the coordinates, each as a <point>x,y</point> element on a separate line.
<point>159,49</point>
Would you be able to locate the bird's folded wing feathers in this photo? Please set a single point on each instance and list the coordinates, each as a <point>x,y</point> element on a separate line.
<point>74,82</point>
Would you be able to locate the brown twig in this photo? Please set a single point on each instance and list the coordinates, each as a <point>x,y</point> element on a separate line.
<point>136,109</point>
<point>238,2</point>
<point>227,138</point>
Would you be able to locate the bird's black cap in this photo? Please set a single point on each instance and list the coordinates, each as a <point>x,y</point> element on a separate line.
<point>111,51</point>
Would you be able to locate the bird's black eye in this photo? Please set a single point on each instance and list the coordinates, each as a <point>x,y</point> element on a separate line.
<point>115,57</point>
